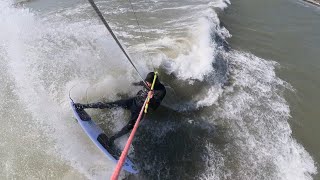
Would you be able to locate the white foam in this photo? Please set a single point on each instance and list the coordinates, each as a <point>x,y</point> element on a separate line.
<point>259,135</point>
<point>196,61</point>
<point>45,61</point>
<point>192,55</point>
<point>221,4</point>
<point>211,97</point>
<point>47,57</point>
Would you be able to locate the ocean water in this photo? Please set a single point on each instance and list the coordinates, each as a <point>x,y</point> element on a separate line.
<point>288,32</point>
<point>226,115</point>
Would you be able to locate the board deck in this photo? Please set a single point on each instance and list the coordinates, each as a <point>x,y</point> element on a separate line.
<point>100,139</point>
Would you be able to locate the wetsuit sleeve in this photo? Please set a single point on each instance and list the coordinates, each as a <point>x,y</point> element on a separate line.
<point>140,83</point>
<point>157,98</point>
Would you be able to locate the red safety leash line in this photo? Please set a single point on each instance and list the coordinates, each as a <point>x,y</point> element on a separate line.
<point>125,151</point>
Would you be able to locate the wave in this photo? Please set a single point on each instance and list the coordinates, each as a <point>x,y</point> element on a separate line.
<point>259,142</point>
<point>229,105</point>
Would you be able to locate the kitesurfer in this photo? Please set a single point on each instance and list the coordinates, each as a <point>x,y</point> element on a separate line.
<point>133,104</point>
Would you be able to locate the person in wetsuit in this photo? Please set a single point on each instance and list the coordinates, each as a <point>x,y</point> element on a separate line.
<point>133,104</point>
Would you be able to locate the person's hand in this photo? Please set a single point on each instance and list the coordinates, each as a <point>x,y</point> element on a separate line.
<point>150,94</point>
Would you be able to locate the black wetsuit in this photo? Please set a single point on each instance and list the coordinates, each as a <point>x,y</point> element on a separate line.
<point>133,104</point>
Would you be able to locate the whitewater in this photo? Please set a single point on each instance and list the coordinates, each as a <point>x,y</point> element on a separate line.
<point>225,115</point>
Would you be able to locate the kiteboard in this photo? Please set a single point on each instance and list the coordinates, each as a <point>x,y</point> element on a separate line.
<point>100,139</point>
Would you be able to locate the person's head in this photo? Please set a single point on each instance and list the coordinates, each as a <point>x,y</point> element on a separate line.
<point>149,79</point>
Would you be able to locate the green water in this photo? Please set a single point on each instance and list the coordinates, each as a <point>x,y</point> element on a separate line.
<point>289,33</point>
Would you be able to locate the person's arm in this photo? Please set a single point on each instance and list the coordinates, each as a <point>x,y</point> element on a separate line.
<point>140,83</point>
<point>157,98</point>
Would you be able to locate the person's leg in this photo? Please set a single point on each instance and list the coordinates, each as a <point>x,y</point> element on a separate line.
<point>126,129</point>
<point>125,103</point>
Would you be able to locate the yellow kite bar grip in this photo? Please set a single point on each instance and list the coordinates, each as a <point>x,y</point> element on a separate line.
<point>152,86</point>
